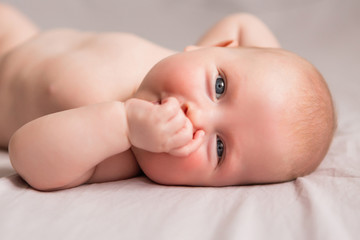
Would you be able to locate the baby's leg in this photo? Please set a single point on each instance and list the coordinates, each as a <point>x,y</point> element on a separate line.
<point>15,28</point>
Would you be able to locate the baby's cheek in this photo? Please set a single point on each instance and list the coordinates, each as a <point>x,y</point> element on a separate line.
<point>168,169</point>
<point>195,161</point>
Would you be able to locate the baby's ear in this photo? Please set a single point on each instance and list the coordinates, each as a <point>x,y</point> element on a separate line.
<point>226,43</point>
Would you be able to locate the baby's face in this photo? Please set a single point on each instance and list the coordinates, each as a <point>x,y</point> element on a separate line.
<point>237,96</point>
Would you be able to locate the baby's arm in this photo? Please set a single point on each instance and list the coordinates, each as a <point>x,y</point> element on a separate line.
<point>62,150</point>
<point>246,29</point>
<point>89,144</point>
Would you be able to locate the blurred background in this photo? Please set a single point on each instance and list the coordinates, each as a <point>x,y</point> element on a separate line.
<point>326,32</point>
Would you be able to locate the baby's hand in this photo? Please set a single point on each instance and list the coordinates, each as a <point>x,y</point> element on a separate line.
<point>161,127</point>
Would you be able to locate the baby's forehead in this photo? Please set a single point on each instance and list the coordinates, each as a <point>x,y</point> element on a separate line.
<point>264,54</point>
<point>269,64</point>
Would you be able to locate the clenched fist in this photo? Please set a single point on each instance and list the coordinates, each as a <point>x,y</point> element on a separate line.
<point>161,127</point>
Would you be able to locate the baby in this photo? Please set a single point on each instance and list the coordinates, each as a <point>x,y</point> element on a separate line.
<point>83,107</point>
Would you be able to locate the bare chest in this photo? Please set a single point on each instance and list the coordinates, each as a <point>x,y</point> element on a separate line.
<point>110,65</point>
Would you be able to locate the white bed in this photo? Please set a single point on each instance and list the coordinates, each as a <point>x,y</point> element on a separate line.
<point>323,205</point>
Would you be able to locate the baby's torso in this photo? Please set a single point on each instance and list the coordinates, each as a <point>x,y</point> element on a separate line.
<point>77,68</point>
<point>117,59</point>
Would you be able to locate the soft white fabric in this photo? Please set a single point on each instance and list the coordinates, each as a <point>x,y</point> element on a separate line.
<point>323,205</point>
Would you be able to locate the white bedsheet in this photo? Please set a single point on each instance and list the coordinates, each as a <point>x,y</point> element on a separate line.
<point>323,205</point>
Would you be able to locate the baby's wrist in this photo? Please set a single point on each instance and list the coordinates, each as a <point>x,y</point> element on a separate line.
<point>118,127</point>
<point>130,116</point>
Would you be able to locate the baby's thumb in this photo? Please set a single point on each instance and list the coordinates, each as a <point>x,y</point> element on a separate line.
<point>191,147</point>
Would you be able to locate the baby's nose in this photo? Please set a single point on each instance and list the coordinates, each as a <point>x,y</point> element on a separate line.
<point>196,116</point>
<point>185,108</point>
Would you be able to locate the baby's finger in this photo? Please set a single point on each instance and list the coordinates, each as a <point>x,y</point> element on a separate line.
<point>192,146</point>
<point>169,107</point>
<point>179,122</point>
<point>181,137</point>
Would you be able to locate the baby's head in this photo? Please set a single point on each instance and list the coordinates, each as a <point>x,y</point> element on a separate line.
<point>267,114</point>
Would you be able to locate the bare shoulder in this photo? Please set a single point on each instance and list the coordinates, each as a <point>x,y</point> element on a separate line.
<point>63,69</point>
<point>15,28</point>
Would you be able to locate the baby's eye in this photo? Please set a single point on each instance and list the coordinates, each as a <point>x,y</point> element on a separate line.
<point>220,148</point>
<point>219,86</point>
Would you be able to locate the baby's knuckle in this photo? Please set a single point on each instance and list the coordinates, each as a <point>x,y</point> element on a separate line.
<point>171,100</point>
<point>171,103</point>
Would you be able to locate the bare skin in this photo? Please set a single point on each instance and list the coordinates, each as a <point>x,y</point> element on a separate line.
<point>94,77</point>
